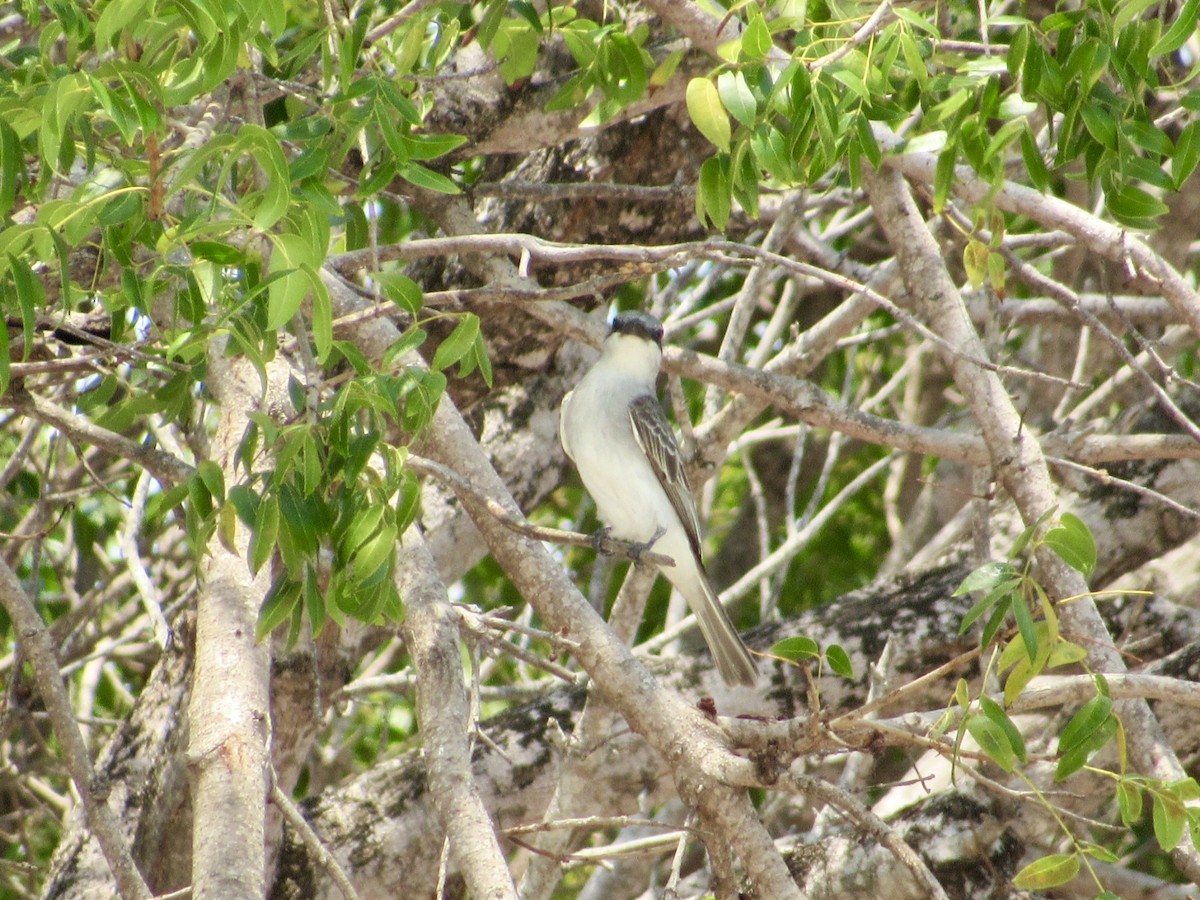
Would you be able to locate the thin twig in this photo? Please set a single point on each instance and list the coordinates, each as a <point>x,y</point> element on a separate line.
<point>861,816</point>
<point>609,546</point>
<point>102,822</point>
<point>312,842</point>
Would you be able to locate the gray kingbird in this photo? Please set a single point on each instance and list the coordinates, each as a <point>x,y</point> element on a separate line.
<point>616,434</point>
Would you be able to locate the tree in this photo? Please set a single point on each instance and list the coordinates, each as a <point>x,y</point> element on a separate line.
<point>295,580</point>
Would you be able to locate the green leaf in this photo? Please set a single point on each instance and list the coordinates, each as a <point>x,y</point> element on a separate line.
<point>213,478</point>
<point>407,342</point>
<point>1100,124</point>
<point>626,81</point>
<point>526,11</point>
<point>1004,592</point>
<point>490,23</point>
<point>31,297</point>
<point>737,97</point>
<point>975,258</point>
<point>1020,676</point>
<point>1186,789</point>
<point>997,268</point>
<point>1183,160</point>
<point>917,21</point>
<point>1129,801</point>
<point>376,553</point>
<point>852,82</point>
<point>1076,758</point>
<point>708,114</point>
<point>1065,653</point>
<point>1025,626</point>
<point>277,606</point>
<point>458,344</point>
<point>266,530</point>
<point>160,504</point>
<point>1129,10</point>
<point>362,526</point>
<point>1017,48</point>
<point>322,319</point>
<point>276,197</point>
<point>401,290</point>
<point>314,603</point>
<point>116,16</point>
<point>943,175</point>
<point>1181,29</point>
<point>1073,541</point>
<point>421,401</point>
<point>796,649</point>
<point>996,714</point>
<point>665,69</point>
<point>11,164</point>
<point>756,39</point>
<point>417,174</point>
<point>408,502</point>
<point>839,660</point>
<point>1169,820</point>
<point>245,501</point>
<point>714,201</point>
<point>962,694</point>
<point>289,284</point>
<point>298,516</point>
<point>1048,872</point>
<point>431,146</point>
<point>866,140</point>
<point>5,358</point>
<point>1036,167</point>
<point>1134,207</point>
<point>478,359</point>
<point>993,741</point>
<point>914,58</point>
<point>1082,725</point>
<point>996,619</point>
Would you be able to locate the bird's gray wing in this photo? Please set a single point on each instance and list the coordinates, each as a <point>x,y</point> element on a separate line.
<point>653,434</point>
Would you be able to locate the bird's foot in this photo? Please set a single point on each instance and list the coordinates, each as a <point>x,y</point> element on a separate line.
<point>637,549</point>
<point>601,542</point>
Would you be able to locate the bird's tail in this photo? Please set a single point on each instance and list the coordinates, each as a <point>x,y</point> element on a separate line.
<point>733,660</point>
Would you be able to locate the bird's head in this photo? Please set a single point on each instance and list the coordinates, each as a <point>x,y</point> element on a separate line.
<point>634,343</point>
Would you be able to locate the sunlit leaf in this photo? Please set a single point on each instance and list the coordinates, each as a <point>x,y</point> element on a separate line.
<point>708,113</point>
<point>1048,872</point>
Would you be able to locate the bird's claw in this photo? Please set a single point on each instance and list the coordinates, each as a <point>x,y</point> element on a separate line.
<point>636,550</point>
<point>601,542</point>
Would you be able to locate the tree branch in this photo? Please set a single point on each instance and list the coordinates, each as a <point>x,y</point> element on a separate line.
<point>1016,457</point>
<point>35,641</point>
<point>431,636</point>
<point>230,739</point>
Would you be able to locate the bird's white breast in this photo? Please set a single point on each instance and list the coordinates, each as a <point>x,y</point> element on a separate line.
<point>599,437</point>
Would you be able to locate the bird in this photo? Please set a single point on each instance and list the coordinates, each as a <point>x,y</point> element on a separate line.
<point>614,431</point>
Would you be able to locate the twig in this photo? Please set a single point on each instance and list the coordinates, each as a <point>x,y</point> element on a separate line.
<point>591,823</point>
<point>609,546</point>
<point>35,639</point>
<point>312,842</point>
<point>861,816</point>
<point>1108,480</point>
<point>163,466</point>
<point>475,625</point>
<point>147,591</point>
<point>877,19</point>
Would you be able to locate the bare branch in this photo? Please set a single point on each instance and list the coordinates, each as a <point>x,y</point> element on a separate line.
<point>38,649</point>
<point>432,639</point>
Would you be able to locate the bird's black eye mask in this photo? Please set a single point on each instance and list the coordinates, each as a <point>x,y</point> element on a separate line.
<point>638,324</point>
